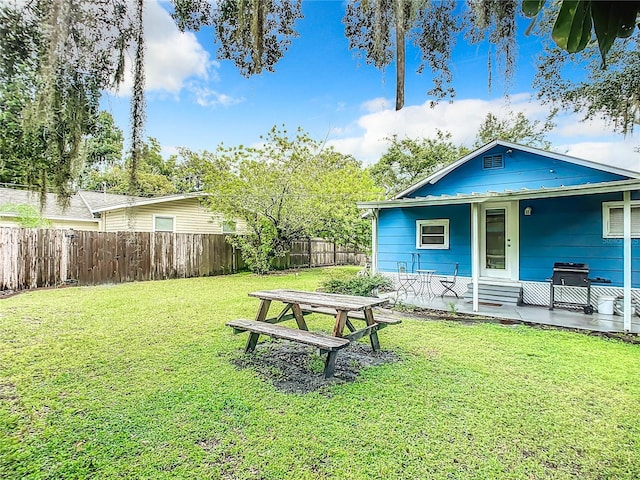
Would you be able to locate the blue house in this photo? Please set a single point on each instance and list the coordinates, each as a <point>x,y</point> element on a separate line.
<point>505,214</point>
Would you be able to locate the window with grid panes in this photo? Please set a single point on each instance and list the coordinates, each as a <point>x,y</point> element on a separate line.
<point>432,234</point>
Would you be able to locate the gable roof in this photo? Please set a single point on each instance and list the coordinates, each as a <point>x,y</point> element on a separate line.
<point>84,204</point>
<point>436,176</point>
<point>50,209</point>
<point>125,201</point>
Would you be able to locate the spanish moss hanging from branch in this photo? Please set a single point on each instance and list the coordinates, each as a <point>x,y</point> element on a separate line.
<point>137,100</point>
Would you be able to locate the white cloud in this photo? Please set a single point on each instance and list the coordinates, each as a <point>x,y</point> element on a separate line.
<point>367,136</point>
<point>206,97</point>
<point>376,105</point>
<point>620,154</point>
<point>167,150</point>
<point>171,57</point>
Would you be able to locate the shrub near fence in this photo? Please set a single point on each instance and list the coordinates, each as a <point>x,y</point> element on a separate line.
<point>31,258</point>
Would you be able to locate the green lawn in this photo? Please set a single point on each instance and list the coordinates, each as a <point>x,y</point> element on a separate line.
<point>137,381</point>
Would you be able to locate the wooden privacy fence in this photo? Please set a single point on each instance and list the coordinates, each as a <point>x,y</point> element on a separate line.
<point>318,252</point>
<point>31,258</point>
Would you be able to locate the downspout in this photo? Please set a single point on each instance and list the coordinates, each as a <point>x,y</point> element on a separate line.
<point>626,216</point>
<point>475,253</point>
<point>374,240</point>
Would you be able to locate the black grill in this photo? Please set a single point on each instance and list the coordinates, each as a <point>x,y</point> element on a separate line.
<point>570,274</point>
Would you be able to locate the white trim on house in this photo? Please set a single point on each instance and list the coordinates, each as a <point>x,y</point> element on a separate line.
<point>56,218</point>
<point>173,222</point>
<point>626,259</point>
<point>374,242</point>
<point>511,268</point>
<point>475,254</point>
<point>439,222</point>
<point>607,225</point>
<point>435,177</point>
<point>522,194</point>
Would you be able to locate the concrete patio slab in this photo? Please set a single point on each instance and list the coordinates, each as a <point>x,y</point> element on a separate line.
<point>527,313</point>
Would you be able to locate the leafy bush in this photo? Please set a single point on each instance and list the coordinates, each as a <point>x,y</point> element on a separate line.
<point>362,286</point>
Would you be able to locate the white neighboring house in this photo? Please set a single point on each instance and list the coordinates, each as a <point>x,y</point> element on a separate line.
<point>106,212</point>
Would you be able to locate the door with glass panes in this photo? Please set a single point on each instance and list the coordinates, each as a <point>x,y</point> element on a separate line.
<point>499,240</point>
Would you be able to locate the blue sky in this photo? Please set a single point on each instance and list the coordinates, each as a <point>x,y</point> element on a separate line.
<point>196,101</point>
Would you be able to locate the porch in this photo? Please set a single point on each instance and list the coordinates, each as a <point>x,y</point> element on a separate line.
<point>568,318</point>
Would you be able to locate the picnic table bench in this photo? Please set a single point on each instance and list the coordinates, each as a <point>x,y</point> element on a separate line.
<point>298,304</point>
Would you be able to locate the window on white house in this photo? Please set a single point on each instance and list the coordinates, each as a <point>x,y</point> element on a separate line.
<point>163,224</point>
<point>432,234</point>
<point>613,219</point>
<point>228,226</point>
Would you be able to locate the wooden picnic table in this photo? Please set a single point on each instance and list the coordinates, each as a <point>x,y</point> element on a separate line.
<point>297,304</point>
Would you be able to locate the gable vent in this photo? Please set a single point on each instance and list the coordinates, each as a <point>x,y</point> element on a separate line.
<point>492,161</point>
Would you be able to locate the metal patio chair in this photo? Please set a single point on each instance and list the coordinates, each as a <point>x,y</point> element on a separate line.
<point>449,282</point>
<point>406,280</point>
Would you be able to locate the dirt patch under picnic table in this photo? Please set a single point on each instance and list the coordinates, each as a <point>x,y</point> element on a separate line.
<point>295,368</point>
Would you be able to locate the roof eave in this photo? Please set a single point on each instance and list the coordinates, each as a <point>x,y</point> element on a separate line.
<point>564,191</point>
<point>150,201</point>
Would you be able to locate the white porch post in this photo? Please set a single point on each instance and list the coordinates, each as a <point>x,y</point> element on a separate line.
<point>627,259</point>
<point>374,241</point>
<point>475,253</point>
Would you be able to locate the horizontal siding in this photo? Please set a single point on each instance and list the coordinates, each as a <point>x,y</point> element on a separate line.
<point>190,217</point>
<point>569,229</point>
<point>60,224</point>
<point>397,239</point>
<point>521,170</point>
<point>114,221</point>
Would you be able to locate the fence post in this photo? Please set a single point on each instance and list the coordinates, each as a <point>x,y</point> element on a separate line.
<point>310,253</point>
<point>335,259</point>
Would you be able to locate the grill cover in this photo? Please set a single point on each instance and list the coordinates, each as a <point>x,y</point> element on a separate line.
<point>570,274</point>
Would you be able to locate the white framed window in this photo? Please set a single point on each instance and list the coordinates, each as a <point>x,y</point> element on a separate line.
<point>164,223</point>
<point>228,226</point>
<point>432,234</point>
<point>613,219</point>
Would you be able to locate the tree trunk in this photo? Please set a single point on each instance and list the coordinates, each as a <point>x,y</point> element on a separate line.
<point>400,53</point>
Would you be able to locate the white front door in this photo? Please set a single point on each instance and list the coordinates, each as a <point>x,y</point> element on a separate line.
<point>499,240</point>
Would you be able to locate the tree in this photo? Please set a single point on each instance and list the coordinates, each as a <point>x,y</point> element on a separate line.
<point>68,53</point>
<point>254,34</point>
<point>154,174</point>
<point>612,93</point>
<point>409,160</point>
<point>22,154</point>
<point>380,28</point>
<point>515,128</point>
<point>577,20</point>
<point>287,189</point>
<point>191,170</point>
<point>103,148</point>
<point>27,216</point>
<point>78,48</point>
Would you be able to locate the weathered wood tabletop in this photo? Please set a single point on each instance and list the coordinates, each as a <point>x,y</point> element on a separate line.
<point>319,299</point>
<point>342,304</point>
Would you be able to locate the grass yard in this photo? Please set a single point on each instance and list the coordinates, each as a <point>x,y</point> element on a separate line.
<point>138,381</point>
